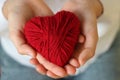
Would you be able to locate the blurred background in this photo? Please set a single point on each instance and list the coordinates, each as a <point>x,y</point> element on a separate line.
<point>105,65</point>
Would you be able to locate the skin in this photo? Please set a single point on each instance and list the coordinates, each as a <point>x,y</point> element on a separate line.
<point>19,12</point>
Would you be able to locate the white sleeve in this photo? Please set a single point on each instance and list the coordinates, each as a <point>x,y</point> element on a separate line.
<point>108,25</point>
<point>3,21</point>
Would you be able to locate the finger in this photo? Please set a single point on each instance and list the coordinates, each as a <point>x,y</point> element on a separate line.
<point>85,56</point>
<point>81,39</point>
<point>51,67</point>
<point>52,75</point>
<point>70,69</point>
<point>40,69</point>
<point>74,62</point>
<point>34,61</point>
<point>16,24</point>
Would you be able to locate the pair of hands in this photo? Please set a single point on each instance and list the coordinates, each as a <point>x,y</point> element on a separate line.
<point>18,12</point>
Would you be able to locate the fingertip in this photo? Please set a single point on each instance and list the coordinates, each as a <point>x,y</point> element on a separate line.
<point>25,49</point>
<point>34,61</point>
<point>60,72</point>
<point>74,62</point>
<point>85,56</point>
<point>49,66</point>
<point>81,39</point>
<point>31,52</point>
<point>82,62</point>
<point>52,75</point>
<point>31,61</point>
<point>57,70</point>
<point>70,69</point>
<point>40,69</point>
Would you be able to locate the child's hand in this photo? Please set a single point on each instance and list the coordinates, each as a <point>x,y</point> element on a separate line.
<point>87,11</point>
<point>18,12</point>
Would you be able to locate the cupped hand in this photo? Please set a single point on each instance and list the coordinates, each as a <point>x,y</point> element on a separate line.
<point>87,11</point>
<point>18,12</point>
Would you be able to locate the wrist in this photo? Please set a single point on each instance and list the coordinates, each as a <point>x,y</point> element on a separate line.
<point>86,6</point>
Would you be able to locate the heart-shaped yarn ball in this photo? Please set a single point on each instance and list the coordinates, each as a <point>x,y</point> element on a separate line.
<point>54,37</point>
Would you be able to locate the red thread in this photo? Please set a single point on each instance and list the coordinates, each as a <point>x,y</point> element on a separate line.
<point>54,37</point>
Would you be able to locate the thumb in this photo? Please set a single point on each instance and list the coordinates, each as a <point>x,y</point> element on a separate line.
<point>16,30</point>
<point>89,46</point>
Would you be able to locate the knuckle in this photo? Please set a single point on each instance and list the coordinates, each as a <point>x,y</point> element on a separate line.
<point>39,71</point>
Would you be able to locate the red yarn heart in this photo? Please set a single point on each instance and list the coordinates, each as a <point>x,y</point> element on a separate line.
<point>54,37</point>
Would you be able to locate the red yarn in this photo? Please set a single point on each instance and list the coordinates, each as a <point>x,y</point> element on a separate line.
<point>54,37</point>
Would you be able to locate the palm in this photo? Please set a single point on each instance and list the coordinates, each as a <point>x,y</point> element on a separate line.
<point>18,15</point>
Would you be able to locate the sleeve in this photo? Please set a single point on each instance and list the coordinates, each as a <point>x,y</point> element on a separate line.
<point>108,25</point>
